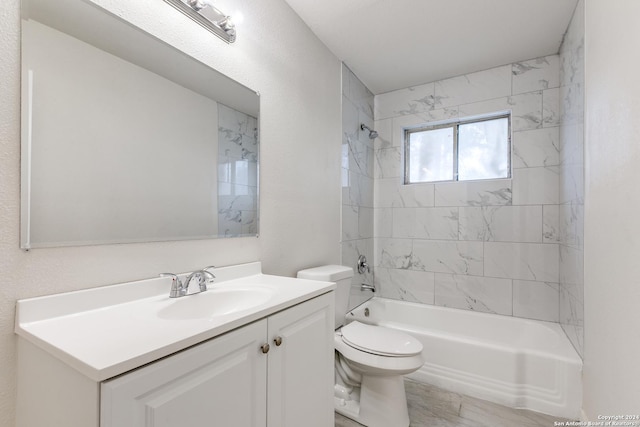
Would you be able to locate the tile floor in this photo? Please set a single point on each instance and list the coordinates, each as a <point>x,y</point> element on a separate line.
<point>430,406</point>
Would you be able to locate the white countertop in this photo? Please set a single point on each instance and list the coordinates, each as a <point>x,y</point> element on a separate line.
<point>106,331</point>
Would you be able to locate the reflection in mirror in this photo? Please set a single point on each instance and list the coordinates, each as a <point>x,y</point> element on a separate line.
<point>125,138</point>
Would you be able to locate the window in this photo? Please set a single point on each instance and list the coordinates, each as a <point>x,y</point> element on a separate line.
<point>459,151</point>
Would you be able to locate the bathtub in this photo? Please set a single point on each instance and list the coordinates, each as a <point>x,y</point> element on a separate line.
<point>515,362</point>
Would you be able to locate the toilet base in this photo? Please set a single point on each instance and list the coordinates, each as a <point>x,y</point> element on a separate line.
<point>381,402</point>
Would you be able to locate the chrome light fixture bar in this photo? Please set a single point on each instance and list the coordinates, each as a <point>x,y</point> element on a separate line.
<point>204,13</point>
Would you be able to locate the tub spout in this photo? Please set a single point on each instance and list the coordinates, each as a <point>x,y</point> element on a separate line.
<point>367,287</point>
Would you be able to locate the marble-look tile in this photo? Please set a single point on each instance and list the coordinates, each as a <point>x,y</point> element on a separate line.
<point>572,184</point>
<point>468,88</point>
<point>485,294</point>
<point>571,212</point>
<point>351,250</point>
<point>572,147</point>
<point>360,190</point>
<point>383,222</point>
<point>571,224</point>
<point>392,193</point>
<point>571,265</point>
<point>361,96</point>
<point>427,118</point>
<point>426,223</point>
<point>551,107</point>
<point>576,337</point>
<point>526,109</point>
<point>401,102</point>
<point>234,222</point>
<point>534,148</point>
<point>394,136</point>
<point>445,256</point>
<point>350,118</point>
<point>501,223</point>
<point>572,304</point>
<point>473,193</point>
<point>536,186</point>
<point>384,128</point>
<point>525,261</point>
<point>388,163</point>
<point>238,197</point>
<point>360,157</point>
<point>405,285</point>
<point>536,74</point>
<point>365,223</point>
<point>551,224</point>
<point>536,300</point>
<point>394,253</point>
<point>350,228</point>
<point>237,134</point>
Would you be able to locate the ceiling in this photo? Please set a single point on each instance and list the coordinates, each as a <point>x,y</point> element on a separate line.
<point>393,44</point>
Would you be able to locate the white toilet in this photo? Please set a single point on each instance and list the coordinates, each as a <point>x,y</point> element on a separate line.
<point>370,360</point>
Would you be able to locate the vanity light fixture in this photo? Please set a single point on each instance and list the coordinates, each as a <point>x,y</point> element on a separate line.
<point>206,14</point>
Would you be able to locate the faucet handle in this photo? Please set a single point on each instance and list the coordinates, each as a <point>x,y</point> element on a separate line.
<point>177,288</point>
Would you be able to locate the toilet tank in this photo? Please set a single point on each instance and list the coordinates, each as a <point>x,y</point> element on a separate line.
<point>339,274</point>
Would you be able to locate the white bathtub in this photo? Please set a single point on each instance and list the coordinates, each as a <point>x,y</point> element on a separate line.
<point>515,362</point>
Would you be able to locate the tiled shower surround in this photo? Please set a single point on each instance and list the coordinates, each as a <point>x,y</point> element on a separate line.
<point>507,246</point>
<point>357,181</point>
<point>571,211</point>
<point>237,172</point>
<point>490,246</point>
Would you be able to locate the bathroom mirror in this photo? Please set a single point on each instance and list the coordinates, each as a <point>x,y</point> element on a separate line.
<point>127,139</point>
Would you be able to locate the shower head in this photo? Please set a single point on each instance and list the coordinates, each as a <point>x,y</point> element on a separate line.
<point>372,133</point>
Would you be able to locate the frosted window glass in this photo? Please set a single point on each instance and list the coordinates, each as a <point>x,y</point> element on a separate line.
<point>483,149</point>
<point>431,155</point>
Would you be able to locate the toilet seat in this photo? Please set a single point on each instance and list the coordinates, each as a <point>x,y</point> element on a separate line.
<point>380,340</point>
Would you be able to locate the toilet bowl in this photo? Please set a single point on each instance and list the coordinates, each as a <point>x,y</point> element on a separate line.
<point>370,361</point>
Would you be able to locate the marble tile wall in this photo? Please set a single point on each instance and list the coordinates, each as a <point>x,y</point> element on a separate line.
<point>357,181</point>
<point>491,246</point>
<point>237,173</point>
<point>571,191</point>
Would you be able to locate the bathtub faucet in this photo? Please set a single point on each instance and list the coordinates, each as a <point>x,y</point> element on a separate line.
<point>367,287</point>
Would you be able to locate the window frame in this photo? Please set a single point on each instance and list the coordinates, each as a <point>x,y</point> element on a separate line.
<point>455,125</point>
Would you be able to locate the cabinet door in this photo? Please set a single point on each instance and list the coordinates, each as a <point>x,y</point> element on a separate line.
<point>300,387</point>
<point>221,382</point>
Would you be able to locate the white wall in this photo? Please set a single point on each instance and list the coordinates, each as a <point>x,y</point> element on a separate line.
<point>612,201</point>
<point>299,83</point>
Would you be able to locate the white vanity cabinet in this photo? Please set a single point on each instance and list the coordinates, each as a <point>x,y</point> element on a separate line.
<point>235,380</point>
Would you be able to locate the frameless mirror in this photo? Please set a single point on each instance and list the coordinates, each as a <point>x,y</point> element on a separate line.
<point>127,139</point>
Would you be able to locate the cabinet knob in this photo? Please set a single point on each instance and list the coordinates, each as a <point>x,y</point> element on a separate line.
<point>278,341</point>
<point>265,348</point>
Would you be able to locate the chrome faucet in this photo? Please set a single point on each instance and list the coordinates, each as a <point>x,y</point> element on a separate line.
<point>363,265</point>
<point>180,288</point>
<point>367,287</point>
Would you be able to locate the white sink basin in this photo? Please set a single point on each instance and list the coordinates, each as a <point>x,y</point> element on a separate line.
<point>215,302</point>
<point>77,327</point>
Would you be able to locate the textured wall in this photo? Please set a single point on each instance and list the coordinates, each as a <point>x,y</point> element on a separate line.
<point>490,245</point>
<point>572,181</point>
<point>612,201</point>
<point>299,83</point>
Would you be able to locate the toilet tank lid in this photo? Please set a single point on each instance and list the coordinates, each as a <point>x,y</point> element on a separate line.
<point>329,273</point>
